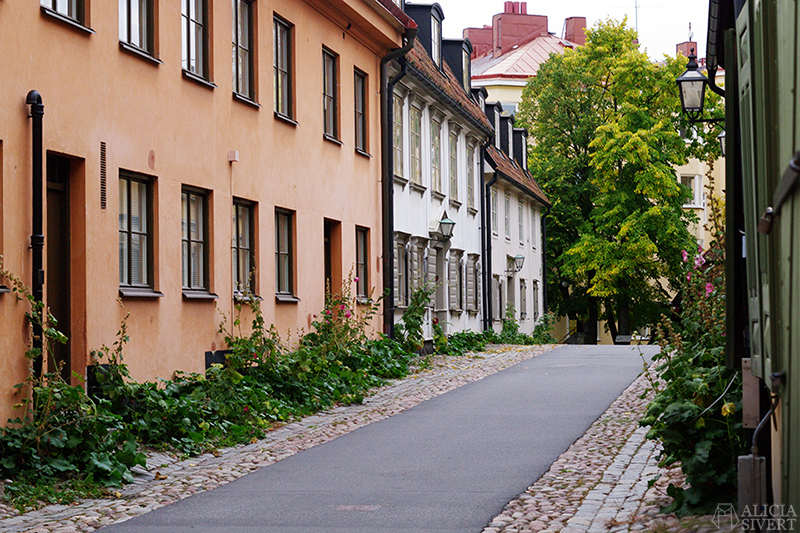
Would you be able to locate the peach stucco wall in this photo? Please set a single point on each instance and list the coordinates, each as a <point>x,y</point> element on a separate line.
<point>156,122</point>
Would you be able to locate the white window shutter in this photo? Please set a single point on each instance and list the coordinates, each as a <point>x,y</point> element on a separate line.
<point>397,275</point>
<point>452,283</point>
<point>414,268</point>
<point>471,284</point>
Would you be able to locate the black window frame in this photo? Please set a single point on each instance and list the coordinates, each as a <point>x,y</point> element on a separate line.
<point>148,36</point>
<point>360,91</point>
<point>284,221</point>
<point>148,233</point>
<point>330,94</point>
<point>249,279</point>
<point>282,67</point>
<point>79,17</point>
<point>249,91</point>
<point>186,239</point>
<point>362,262</point>
<point>202,68</point>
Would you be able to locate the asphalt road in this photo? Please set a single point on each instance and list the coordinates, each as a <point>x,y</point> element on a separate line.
<point>447,465</point>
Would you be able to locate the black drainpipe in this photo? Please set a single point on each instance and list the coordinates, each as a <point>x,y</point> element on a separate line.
<point>544,259</point>
<point>487,268</point>
<point>387,180</point>
<point>34,99</point>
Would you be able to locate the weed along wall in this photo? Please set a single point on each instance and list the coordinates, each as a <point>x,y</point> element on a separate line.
<point>162,172</point>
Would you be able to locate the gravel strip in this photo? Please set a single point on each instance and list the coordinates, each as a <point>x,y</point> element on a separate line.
<point>166,479</point>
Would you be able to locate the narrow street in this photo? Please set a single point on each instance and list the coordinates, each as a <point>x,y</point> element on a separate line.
<point>449,464</point>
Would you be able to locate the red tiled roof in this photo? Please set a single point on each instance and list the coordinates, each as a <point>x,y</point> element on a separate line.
<point>399,14</point>
<point>445,81</point>
<point>512,172</point>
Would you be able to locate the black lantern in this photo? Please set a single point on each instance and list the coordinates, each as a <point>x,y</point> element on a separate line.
<point>446,227</point>
<point>692,84</point>
<point>721,138</point>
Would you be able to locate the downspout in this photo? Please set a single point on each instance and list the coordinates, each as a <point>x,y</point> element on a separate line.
<point>544,260</point>
<point>487,273</point>
<point>34,99</point>
<point>387,189</point>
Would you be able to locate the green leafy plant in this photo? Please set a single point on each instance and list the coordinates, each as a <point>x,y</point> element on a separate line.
<point>409,331</point>
<point>696,411</point>
<point>440,343</point>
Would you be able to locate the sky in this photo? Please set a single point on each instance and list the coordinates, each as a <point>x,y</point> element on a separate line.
<point>662,23</point>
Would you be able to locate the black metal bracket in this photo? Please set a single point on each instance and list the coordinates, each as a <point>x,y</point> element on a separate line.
<point>785,187</point>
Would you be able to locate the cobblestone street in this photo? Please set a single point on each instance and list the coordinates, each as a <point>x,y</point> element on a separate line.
<point>599,484</point>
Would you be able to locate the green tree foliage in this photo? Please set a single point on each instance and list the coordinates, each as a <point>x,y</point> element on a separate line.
<point>605,121</point>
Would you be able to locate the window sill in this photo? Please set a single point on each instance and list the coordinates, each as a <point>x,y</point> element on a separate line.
<point>139,292</point>
<point>246,100</point>
<point>455,204</point>
<point>71,22</point>
<point>472,211</point>
<point>418,187</point>
<point>3,289</point>
<point>472,312</point>
<point>437,195</point>
<point>285,119</point>
<point>331,139</point>
<point>198,79</point>
<point>140,53</point>
<point>199,295</point>
<point>363,300</point>
<point>400,180</point>
<point>287,298</point>
<point>362,153</point>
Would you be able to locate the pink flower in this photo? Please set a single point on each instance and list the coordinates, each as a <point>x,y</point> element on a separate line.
<point>356,279</point>
<point>347,314</point>
<point>699,261</point>
<point>709,289</point>
<point>246,409</point>
<point>328,312</point>
<point>342,307</point>
<point>685,255</point>
<point>688,277</point>
<point>435,321</point>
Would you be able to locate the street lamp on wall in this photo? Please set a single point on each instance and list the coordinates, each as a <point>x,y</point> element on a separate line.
<point>519,260</point>
<point>692,85</point>
<point>721,138</point>
<point>445,229</point>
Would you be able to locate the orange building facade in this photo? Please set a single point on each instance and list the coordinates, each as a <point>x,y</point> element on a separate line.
<point>185,145</point>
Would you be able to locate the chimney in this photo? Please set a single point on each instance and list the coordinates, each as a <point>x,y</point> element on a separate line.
<point>686,47</point>
<point>521,147</point>
<point>574,30</point>
<point>515,27</point>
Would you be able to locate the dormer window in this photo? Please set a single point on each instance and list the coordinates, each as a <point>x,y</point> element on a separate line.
<point>436,41</point>
<point>465,68</point>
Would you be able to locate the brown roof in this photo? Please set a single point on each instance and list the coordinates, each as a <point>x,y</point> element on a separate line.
<point>445,83</point>
<point>521,63</point>
<point>513,173</point>
<point>399,14</point>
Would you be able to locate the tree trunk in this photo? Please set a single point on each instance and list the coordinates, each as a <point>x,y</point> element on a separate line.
<point>612,325</point>
<point>591,326</point>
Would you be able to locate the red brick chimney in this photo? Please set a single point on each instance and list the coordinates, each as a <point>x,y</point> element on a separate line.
<point>574,30</point>
<point>515,27</point>
<point>686,47</point>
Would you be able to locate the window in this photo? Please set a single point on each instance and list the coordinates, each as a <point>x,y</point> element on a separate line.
<point>360,81</point>
<point>436,156</point>
<point>471,177</point>
<point>507,216</point>
<point>472,274</point>
<point>521,217</point>
<point>523,299</point>
<point>534,223</point>
<point>284,263</point>
<point>693,183</point>
<point>135,233</point>
<point>362,262</point>
<point>73,9</point>
<point>397,125</point>
<point>281,60</point>
<point>194,36</point>
<point>416,146</point>
<point>330,94</point>
<point>194,239</point>
<point>465,68</point>
<point>242,252</point>
<point>494,212</point>
<point>136,24</point>
<point>400,274</point>
<point>535,298</point>
<point>455,281</point>
<point>242,52</point>
<point>453,166</point>
<point>436,41</point>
